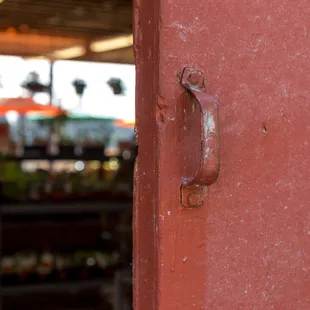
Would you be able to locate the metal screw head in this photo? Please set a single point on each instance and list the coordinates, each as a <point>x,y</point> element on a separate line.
<point>192,196</point>
<point>192,78</point>
<point>194,199</point>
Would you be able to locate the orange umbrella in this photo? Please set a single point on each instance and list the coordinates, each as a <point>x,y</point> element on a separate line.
<point>125,123</point>
<point>26,106</point>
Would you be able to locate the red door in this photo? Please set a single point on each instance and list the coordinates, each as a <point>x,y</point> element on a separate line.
<point>248,245</point>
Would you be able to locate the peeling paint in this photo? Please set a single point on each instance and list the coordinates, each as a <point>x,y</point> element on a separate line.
<point>209,123</point>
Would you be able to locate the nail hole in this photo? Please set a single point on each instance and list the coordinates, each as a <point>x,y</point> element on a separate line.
<point>265,131</point>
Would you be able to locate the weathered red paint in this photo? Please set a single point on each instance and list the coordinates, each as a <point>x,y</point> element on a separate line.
<point>248,246</point>
<point>144,222</point>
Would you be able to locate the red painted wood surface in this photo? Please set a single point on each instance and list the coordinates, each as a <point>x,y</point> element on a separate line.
<point>248,247</point>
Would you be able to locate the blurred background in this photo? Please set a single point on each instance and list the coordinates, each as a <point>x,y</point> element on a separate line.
<point>67,151</point>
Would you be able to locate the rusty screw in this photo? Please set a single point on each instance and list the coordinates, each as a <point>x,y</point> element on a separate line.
<point>196,78</point>
<point>192,78</point>
<point>194,199</point>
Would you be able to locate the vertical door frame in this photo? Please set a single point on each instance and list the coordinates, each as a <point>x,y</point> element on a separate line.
<point>169,241</point>
<point>146,38</point>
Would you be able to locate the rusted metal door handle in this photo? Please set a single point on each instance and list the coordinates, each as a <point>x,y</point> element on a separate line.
<point>193,188</point>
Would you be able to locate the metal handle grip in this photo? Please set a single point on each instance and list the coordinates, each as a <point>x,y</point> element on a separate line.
<point>209,166</point>
<point>210,150</point>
